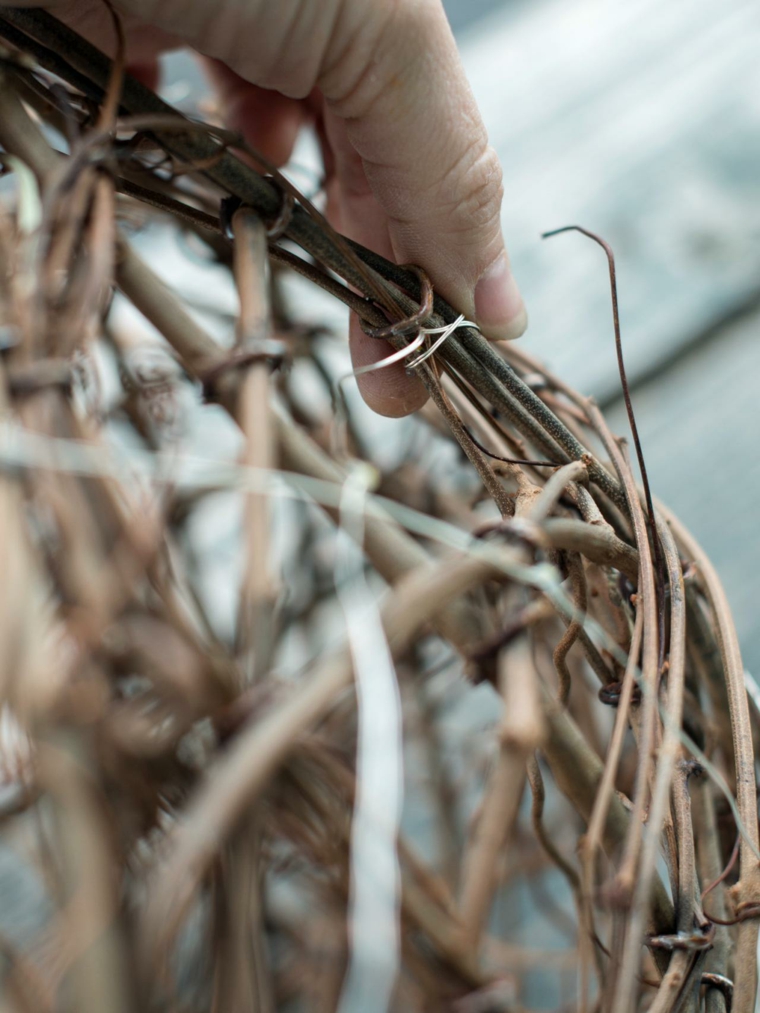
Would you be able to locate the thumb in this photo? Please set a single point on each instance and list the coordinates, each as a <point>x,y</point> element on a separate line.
<point>412,121</point>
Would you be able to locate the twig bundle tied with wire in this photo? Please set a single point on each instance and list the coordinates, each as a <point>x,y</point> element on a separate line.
<point>285,807</point>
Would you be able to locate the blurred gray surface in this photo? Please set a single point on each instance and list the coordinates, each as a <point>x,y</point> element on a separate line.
<point>24,900</point>
<point>700,424</point>
<point>641,121</point>
<point>464,15</point>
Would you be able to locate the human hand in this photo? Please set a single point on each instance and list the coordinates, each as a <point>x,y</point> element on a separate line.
<point>408,167</point>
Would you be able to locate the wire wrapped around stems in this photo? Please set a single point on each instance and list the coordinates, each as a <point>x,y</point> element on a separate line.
<point>403,354</point>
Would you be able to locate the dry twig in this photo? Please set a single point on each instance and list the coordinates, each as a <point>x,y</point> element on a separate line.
<point>194,762</point>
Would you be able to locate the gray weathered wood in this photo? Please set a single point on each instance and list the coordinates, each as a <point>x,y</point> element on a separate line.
<point>700,426</point>
<point>639,120</point>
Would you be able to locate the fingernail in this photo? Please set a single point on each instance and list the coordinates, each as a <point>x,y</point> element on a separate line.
<point>499,308</point>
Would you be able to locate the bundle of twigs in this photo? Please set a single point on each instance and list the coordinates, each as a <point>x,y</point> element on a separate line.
<point>175,777</point>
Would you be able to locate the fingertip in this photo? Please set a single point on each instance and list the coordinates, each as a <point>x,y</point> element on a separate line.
<point>404,399</point>
<point>510,331</point>
<point>271,131</point>
<point>499,308</point>
<point>391,391</point>
<point>147,72</point>
<point>269,121</point>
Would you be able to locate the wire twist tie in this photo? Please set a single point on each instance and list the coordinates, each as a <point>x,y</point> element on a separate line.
<point>412,323</point>
<point>229,205</point>
<point>445,333</point>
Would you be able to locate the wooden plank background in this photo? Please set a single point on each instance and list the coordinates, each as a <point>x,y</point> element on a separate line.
<point>641,120</point>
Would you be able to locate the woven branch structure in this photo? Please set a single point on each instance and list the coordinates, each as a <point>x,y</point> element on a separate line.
<point>195,801</point>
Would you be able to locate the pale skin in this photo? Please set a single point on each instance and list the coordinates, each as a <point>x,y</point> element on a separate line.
<point>409,169</point>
